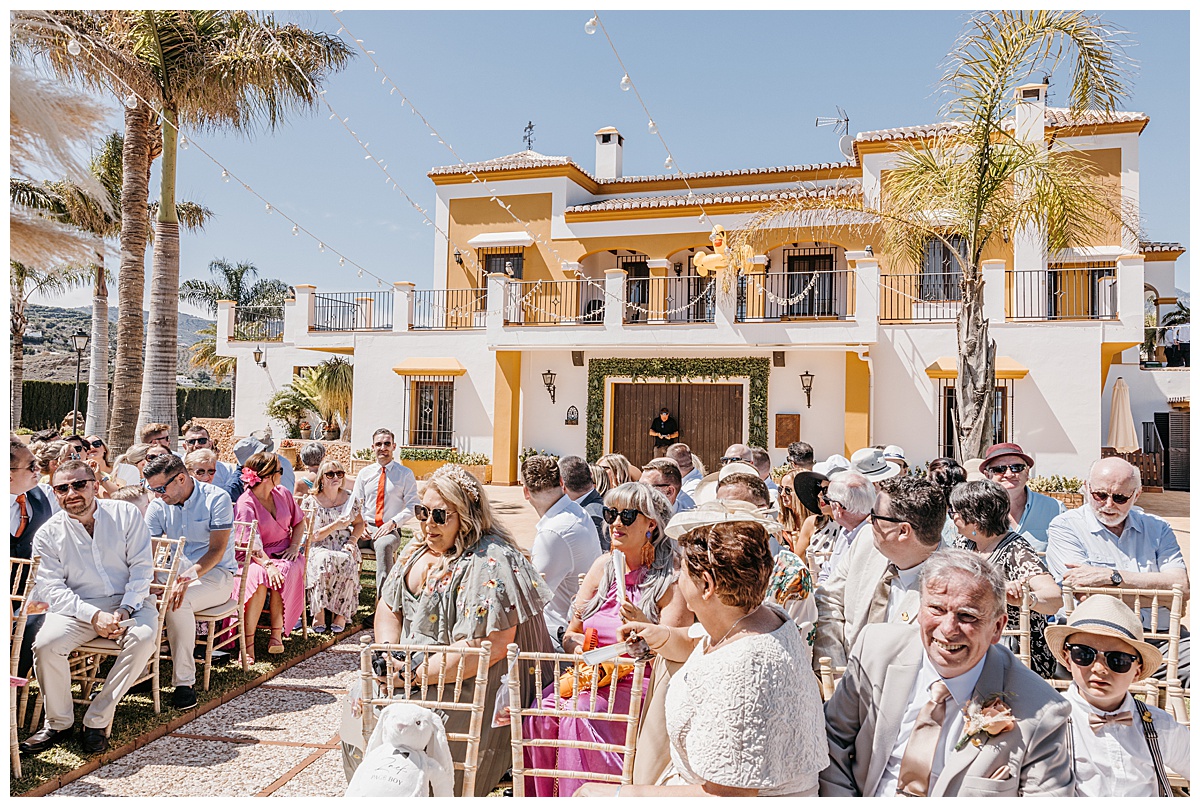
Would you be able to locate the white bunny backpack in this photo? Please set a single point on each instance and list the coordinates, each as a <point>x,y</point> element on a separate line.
<point>406,756</point>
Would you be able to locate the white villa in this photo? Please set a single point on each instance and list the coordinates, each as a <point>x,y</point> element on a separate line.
<point>565,326</point>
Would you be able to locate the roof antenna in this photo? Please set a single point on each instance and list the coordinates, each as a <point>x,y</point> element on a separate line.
<point>841,125</point>
<point>528,138</point>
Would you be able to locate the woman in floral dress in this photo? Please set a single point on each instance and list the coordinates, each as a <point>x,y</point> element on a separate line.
<point>333,557</point>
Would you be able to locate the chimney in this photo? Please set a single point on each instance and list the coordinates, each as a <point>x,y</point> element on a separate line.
<point>608,153</point>
<point>1031,113</point>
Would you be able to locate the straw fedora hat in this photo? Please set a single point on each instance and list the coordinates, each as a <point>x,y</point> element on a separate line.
<point>971,466</point>
<point>706,488</point>
<point>1104,615</point>
<point>719,512</point>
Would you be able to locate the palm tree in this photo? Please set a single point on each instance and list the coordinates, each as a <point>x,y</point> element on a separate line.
<point>1182,314</point>
<point>73,205</point>
<point>204,356</point>
<point>204,69</point>
<point>973,179</point>
<point>24,282</point>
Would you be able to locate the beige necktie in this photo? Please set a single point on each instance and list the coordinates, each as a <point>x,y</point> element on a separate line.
<point>917,763</point>
<point>877,612</point>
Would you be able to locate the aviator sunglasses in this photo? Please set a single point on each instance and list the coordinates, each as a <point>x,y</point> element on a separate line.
<point>1115,660</point>
<point>422,513</point>
<point>78,484</point>
<point>627,516</point>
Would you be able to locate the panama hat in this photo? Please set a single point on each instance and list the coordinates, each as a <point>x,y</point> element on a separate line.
<point>1000,449</point>
<point>973,472</point>
<point>719,512</point>
<point>870,463</point>
<point>832,464</point>
<point>1104,615</point>
<point>895,453</point>
<point>264,436</point>
<point>806,484</point>
<point>706,488</point>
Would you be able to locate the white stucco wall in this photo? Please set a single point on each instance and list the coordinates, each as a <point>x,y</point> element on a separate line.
<point>1148,393</point>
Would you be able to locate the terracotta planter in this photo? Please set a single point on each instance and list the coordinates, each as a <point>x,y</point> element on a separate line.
<point>481,472</point>
<point>306,434</point>
<point>422,467</point>
<point>356,465</point>
<point>1069,500</point>
<point>292,453</point>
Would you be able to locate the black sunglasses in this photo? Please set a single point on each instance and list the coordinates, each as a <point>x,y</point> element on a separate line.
<point>203,472</point>
<point>627,516</point>
<point>422,513</point>
<point>384,444</point>
<point>78,484</point>
<point>876,517</point>
<point>727,460</point>
<point>1115,660</point>
<point>335,474</point>
<point>195,441</point>
<point>998,470</point>
<point>1118,498</point>
<point>161,489</point>
<point>94,443</point>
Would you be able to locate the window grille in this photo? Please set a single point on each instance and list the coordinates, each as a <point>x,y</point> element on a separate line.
<point>429,419</point>
<point>1002,415</point>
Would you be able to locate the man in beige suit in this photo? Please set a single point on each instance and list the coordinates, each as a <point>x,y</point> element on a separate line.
<point>907,716</point>
<point>876,581</point>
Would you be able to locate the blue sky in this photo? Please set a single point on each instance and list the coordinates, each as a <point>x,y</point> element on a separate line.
<point>728,90</point>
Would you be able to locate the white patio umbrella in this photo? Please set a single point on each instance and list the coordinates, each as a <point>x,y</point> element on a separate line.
<point>1122,435</point>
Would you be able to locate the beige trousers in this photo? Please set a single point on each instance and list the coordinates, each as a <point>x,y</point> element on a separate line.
<point>214,588</point>
<point>60,634</point>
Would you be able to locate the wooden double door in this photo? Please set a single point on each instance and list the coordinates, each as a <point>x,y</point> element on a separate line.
<point>711,417</point>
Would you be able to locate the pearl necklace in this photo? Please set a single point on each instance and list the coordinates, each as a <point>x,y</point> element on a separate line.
<point>731,627</point>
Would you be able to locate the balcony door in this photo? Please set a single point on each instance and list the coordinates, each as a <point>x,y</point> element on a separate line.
<point>809,272</point>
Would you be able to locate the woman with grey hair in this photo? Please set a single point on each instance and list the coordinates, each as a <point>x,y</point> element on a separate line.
<point>311,457</point>
<point>638,516</point>
<point>980,514</point>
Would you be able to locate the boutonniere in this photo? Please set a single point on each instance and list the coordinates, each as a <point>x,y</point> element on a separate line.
<point>982,720</point>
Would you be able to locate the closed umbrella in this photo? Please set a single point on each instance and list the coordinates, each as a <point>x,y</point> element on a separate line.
<point>1122,435</point>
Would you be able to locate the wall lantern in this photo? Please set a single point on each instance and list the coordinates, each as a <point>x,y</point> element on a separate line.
<point>806,379</point>
<point>548,379</point>
<point>678,269</point>
<point>458,257</point>
<point>258,357</point>
<point>572,416</point>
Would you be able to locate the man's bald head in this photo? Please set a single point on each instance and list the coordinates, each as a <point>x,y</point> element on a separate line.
<point>1116,471</point>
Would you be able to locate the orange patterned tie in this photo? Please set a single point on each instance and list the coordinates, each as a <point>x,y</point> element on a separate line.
<point>379,494</point>
<point>24,516</point>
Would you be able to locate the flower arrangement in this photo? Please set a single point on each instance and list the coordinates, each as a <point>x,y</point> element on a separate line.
<point>983,720</point>
<point>250,477</point>
<point>305,425</point>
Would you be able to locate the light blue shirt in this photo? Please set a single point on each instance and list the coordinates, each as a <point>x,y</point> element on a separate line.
<point>223,474</point>
<point>684,502</point>
<point>1040,510</point>
<point>207,510</point>
<point>690,480</point>
<point>1147,544</point>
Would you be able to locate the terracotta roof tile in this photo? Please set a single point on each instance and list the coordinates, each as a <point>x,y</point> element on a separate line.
<point>1162,246</point>
<point>522,159</point>
<point>1055,116</point>
<point>719,197</point>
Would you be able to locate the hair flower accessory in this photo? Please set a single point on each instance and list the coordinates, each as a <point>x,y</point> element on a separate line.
<point>981,721</point>
<point>250,477</point>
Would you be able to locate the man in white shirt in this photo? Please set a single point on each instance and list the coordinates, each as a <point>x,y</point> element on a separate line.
<point>95,574</point>
<point>387,492</point>
<point>565,546</point>
<point>663,475</point>
<point>1102,645</point>
<point>896,722</point>
<point>851,497</point>
<point>877,579</point>
<point>682,455</point>
<point>1183,344</point>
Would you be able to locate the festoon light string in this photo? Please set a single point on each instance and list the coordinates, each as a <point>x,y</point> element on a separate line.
<point>131,101</point>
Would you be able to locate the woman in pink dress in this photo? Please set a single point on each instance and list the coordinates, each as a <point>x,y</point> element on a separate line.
<point>276,566</point>
<point>638,516</point>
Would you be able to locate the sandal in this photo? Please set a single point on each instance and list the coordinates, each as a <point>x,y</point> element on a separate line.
<point>318,629</point>
<point>275,646</point>
<point>337,628</point>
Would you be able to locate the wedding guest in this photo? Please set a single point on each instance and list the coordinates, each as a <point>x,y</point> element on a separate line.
<point>333,557</point>
<point>1031,512</point>
<point>311,457</point>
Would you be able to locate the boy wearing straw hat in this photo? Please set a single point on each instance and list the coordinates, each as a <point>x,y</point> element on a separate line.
<point>1121,746</point>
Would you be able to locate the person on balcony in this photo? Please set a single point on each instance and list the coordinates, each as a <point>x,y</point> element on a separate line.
<point>1030,512</point>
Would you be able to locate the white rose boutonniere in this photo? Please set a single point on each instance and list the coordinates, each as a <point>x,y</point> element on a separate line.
<point>985,719</point>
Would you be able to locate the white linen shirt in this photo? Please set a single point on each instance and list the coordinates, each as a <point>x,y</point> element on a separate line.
<point>906,580</point>
<point>400,493</point>
<point>1116,760</point>
<point>841,545</point>
<point>116,559</point>
<point>961,688</point>
<point>565,547</point>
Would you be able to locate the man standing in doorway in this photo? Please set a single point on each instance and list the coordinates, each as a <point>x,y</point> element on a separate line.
<point>665,430</point>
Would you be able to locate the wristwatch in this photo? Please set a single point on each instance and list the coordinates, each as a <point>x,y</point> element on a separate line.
<point>1116,578</point>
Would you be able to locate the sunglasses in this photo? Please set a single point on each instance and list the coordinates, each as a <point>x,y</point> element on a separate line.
<point>78,484</point>
<point>876,517</point>
<point>422,513</point>
<point>1101,496</point>
<point>627,516</point>
<point>337,475</point>
<point>998,470</point>
<point>203,472</point>
<point>727,460</point>
<point>163,488</point>
<point>388,444</point>
<point>823,494</point>
<point>196,441</point>
<point>1115,660</point>
<point>32,467</point>
<point>94,443</point>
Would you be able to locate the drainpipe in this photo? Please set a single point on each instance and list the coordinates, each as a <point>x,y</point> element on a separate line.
<point>863,352</point>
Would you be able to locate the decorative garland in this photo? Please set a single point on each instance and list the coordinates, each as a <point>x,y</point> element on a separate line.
<point>675,369</point>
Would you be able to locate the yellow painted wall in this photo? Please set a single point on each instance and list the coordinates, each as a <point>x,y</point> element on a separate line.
<point>472,217</point>
<point>507,417</point>
<point>1106,167</point>
<point>858,404</point>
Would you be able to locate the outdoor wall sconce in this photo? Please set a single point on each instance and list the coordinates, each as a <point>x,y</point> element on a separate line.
<point>572,416</point>
<point>258,357</point>
<point>806,379</point>
<point>458,257</point>
<point>678,269</point>
<point>548,379</point>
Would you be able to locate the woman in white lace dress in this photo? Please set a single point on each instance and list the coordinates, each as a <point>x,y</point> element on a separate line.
<point>743,716</point>
<point>333,559</point>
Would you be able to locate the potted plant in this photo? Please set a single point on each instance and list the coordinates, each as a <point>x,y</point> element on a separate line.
<point>361,459</point>
<point>305,430</point>
<point>290,449</point>
<point>478,465</point>
<point>423,461</point>
<point>1067,489</point>
<point>332,431</point>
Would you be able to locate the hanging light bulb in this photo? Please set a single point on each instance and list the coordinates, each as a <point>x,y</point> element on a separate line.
<point>589,27</point>
<point>320,247</point>
<point>183,144</point>
<point>224,175</point>
<point>669,164</point>
<point>653,127</point>
<point>341,261</point>
<point>73,48</point>
<point>626,84</point>
<point>131,101</point>
<point>268,208</point>
<point>360,272</point>
<point>295,229</point>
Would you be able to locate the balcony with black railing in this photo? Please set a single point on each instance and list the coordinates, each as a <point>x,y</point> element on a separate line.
<point>1087,292</point>
<point>919,297</point>
<point>554,302</point>
<point>352,311</point>
<point>449,309</point>
<point>791,296</point>
<point>257,323</point>
<point>658,300</point>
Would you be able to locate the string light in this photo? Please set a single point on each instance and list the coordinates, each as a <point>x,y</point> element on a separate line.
<point>669,164</point>
<point>653,127</point>
<point>131,101</point>
<point>589,27</point>
<point>341,261</point>
<point>224,175</point>
<point>183,143</point>
<point>320,247</point>
<point>626,84</point>
<point>268,208</point>
<point>295,229</point>
<point>73,48</point>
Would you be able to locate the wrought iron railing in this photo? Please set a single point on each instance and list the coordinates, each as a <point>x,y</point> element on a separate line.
<point>554,302</point>
<point>352,311</point>
<point>449,309</point>
<point>257,323</point>
<point>786,296</point>
<point>1087,292</point>
<point>651,300</point>
<point>920,297</point>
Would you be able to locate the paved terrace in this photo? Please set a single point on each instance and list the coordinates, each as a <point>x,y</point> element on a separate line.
<point>280,739</point>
